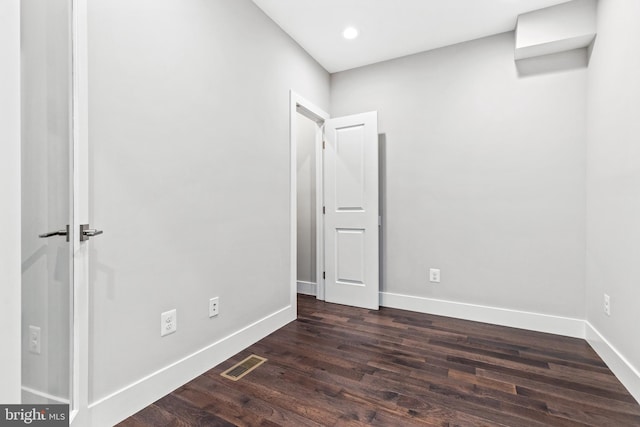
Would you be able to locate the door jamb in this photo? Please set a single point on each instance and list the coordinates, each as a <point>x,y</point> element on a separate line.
<point>298,104</point>
<point>79,409</point>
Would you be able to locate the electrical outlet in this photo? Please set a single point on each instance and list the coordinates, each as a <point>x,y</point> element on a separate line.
<point>168,322</point>
<point>607,305</point>
<point>434,275</point>
<point>34,340</point>
<point>214,306</point>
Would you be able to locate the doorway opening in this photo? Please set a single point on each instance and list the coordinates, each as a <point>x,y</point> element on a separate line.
<point>306,122</point>
<point>306,194</point>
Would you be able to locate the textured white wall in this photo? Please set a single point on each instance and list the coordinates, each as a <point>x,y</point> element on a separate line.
<point>189,148</point>
<point>484,175</point>
<point>613,177</point>
<point>306,182</point>
<point>10,197</point>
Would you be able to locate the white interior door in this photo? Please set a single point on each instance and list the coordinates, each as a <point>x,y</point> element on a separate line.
<point>351,210</point>
<point>47,201</point>
<point>55,203</point>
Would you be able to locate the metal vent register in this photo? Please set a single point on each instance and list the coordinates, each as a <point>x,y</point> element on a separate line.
<point>241,369</point>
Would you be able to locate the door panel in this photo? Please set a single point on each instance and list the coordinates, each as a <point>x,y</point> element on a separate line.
<point>349,180</point>
<point>350,252</point>
<point>351,210</point>
<point>47,277</point>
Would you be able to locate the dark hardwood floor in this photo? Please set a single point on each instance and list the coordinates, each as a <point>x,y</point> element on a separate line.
<point>340,365</point>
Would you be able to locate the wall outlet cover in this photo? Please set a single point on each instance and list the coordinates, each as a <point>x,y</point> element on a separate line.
<point>214,306</point>
<point>35,339</point>
<point>607,305</point>
<point>168,322</point>
<point>434,275</point>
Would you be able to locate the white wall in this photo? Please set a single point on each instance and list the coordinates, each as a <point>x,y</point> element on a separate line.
<point>306,199</point>
<point>613,180</point>
<point>10,197</point>
<point>484,176</point>
<point>189,148</point>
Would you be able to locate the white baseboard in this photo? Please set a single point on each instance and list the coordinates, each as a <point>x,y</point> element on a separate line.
<point>628,375</point>
<point>306,288</point>
<point>479,313</point>
<point>114,408</point>
<point>38,397</point>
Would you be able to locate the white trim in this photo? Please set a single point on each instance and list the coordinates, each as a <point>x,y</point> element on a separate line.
<point>310,110</point>
<point>80,362</point>
<point>42,397</point>
<point>319,291</point>
<point>628,375</point>
<point>479,313</point>
<point>306,288</point>
<point>117,406</point>
<point>10,191</point>
<point>293,200</point>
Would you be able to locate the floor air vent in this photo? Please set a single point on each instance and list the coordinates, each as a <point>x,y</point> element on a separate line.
<point>243,368</point>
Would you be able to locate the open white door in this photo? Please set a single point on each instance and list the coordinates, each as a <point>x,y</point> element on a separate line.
<point>351,210</point>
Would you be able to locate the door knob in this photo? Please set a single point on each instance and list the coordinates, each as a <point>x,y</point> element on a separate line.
<point>86,232</point>
<point>64,232</point>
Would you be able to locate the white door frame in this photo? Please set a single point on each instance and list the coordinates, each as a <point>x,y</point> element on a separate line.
<point>79,410</point>
<point>10,191</point>
<point>298,104</point>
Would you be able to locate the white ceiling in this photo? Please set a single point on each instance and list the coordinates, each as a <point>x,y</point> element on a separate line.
<point>390,28</point>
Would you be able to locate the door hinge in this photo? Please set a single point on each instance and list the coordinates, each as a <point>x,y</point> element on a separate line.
<point>323,144</point>
<point>324,210</point>
<point>324,275</point>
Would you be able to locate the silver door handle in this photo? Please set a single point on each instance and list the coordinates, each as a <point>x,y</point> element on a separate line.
<point>86,232</point>
<point>53,233</point>
<point>64,232</point>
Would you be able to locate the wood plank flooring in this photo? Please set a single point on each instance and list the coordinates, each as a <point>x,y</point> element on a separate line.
<point>343,366</point>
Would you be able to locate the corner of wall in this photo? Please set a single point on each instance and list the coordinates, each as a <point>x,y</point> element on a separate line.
<point>613,103</point>
<point>628,375</point>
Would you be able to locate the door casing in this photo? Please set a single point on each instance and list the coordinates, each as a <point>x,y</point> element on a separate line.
<point>300,105</point>
<point>79,410</point>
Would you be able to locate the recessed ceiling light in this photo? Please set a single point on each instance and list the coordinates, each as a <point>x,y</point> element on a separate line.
<point>350,33</point>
